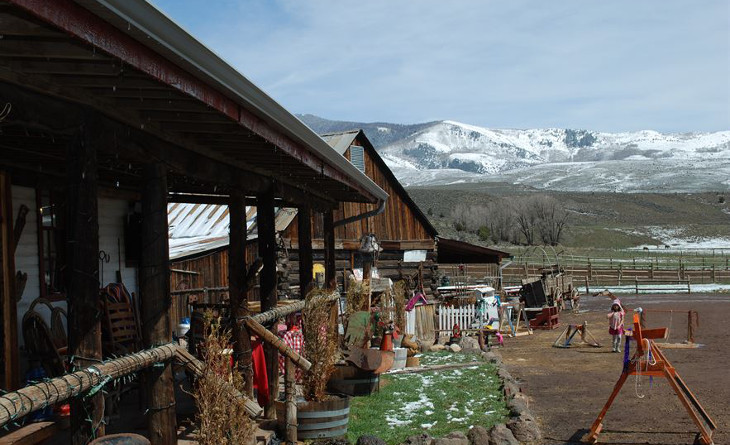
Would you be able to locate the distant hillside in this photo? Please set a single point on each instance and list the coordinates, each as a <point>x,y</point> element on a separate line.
<point>379,133</point>
<point>448,152</point>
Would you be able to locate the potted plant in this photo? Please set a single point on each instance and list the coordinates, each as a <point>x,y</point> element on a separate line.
<point>320,415</point>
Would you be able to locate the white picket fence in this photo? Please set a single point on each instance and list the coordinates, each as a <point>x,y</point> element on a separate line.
<point>464,316</point>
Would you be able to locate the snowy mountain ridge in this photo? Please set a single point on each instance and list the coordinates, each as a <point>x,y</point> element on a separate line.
<point>448,152</point>
<point>454,145</point>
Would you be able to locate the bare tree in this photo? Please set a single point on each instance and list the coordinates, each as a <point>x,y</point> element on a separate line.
<point>552,219</point>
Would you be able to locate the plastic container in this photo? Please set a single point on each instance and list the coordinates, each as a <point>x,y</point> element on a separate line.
<point>401,355</point>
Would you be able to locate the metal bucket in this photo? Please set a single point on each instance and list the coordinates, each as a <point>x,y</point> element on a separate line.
<point>352,381</point>
<point>401,354</point>
<point>318,420</point>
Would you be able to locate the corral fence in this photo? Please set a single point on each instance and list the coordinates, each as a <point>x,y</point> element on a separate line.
<point>643,273</point>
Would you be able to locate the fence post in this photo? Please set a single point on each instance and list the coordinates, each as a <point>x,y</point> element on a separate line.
<point>636,285</point>
<point>651,271</point>
<point>620,273</point>
<point>689,289</point>
<point>713,274</point>
<point>588,289</point>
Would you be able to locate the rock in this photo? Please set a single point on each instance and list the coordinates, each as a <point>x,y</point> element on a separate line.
<point>469,343</point>
<point>524,428</point>
<point>419,439</point>
<point>510,388</point>
<point>501,435</point>
<point>455,348</point>
<point>435,348</point>
<point>443,340</point>
<point>478,436</point>
<point>505,375</point>
<point>367,439</point>
<point>491,357</point>
<point>470,351</point>
<point>454,438</point>
<point>518,406</point>
<point>425,345</point>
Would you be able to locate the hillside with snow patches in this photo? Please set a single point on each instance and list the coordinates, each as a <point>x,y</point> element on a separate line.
<point>448,152</point>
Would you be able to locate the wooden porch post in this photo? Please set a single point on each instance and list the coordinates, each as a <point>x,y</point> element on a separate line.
<point>7,290</point>
<point>304,219</point>
<point>154,287</point>
<point>237,288</point>
<point>330,268</point>
<point>267,251</point>
<point>84,325</point>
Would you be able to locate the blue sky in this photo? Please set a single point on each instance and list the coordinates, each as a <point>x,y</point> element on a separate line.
<point>600,65</point>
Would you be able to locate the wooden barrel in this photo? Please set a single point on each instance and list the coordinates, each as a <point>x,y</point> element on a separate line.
<point>401,354</point>
<point>352,381</point>
<point>318,420</point>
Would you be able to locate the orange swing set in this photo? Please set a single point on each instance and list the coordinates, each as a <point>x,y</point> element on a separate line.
<point>655,364</point>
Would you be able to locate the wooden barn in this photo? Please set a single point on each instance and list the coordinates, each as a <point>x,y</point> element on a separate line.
<point>110,110</point>
<point>408,240</point>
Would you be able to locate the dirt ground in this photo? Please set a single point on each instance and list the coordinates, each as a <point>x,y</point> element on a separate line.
<point>568,387</point>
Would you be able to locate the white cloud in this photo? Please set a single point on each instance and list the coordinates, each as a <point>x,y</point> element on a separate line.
<point>620,65</point>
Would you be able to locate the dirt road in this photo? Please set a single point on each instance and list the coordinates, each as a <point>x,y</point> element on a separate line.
<point>568,387</point>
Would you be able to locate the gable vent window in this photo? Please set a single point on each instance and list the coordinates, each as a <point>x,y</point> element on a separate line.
<point>357,157</point>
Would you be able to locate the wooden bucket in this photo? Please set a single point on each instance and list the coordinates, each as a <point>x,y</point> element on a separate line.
<point>352,381</point>
<point>318,420</point>
<point>401,355</point>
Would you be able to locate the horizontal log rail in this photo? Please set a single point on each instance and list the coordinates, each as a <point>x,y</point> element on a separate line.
<point>36,396</point>
<point>14,405</point>
<point>278,343</point>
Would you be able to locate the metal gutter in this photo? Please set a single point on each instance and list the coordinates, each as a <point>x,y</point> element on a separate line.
<point>164,32</point>
<point>368,214</point>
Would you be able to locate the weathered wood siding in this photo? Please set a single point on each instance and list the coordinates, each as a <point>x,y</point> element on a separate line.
<point>398,222</point>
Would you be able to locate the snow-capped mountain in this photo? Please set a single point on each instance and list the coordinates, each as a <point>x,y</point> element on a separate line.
<point>453,145</point>
<point>445,152</point>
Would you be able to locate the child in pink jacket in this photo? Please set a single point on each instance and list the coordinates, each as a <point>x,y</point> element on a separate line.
<point>616,324</point>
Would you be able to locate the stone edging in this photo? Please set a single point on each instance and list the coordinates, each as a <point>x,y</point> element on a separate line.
<point>521,428</point>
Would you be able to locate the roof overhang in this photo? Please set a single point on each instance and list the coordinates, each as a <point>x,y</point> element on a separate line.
<point>129,61</point>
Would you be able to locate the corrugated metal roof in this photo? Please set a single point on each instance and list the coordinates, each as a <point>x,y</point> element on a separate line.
<point>198,228</point>
<point>340,141</point>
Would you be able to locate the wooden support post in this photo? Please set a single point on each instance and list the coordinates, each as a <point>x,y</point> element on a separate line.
<point>82,253</point>
<point>7,290</point>
<point>237,288</point>
<point>154,288</point>
<point>267,251</point>
<point>304,220</point>
<point>291,404</point>
<point>330,270</point>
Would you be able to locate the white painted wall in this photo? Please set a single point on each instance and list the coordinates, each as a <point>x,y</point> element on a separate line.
<point>111,227</point>
<point>26,254</point>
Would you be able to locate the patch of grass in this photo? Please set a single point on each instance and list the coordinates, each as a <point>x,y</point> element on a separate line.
<point>437,402</point>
